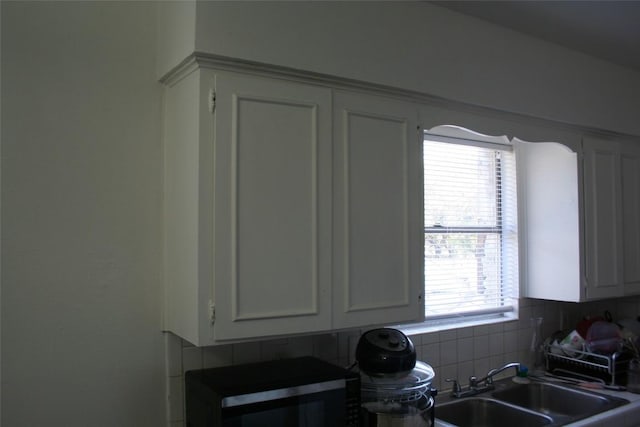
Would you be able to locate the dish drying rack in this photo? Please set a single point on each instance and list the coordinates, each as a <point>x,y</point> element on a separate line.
<point>608,369</point>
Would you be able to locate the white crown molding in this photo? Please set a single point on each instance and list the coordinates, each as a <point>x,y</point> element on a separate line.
<point>224,63</point>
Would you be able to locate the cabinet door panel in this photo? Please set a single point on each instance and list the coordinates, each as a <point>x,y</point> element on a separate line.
<point>630,165</point>
<point>378,209</point>
<point>275,188</point>
<point>377,203</point>
<point>273,207</point>
<point>548,175</point>
<point>602,219</point>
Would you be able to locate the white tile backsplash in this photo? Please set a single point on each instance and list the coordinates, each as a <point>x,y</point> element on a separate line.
<point>430,338</point>
<point>246,353</point>
<point>192,359</point>
<point>510,340</point>
<point>325,347</point>
<point>465,332</point>
<point>173,355</point>
<point>456,353</point>
<point>465,349</point>
<point>465,370</point>
<point>217,356</point>
<point>431,354</point>
<point>448,352</point>
<point>443,373</point>
<point>496,343</point>
<point>481,365</point>
<point>176,399</point>
<point>451,334</point>
<point>480,346</point>
<point>481,330</point>
<point>496,328</point>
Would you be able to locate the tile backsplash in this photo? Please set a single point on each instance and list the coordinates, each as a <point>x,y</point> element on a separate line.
<point>456,353</point>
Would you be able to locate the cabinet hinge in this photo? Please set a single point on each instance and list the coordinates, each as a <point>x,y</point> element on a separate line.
<point>212,100</point>
<point>212,312</point>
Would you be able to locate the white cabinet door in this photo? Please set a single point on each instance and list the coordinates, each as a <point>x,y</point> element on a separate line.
<point>610,233</point>
<point>550,221</point>
<point>603,219</point>
<point>248,207</point>
<point>630,169</point>
<point>272,207</point>
<point>378,245</point>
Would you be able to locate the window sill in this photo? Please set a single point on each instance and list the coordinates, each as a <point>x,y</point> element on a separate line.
<point>429,326</point>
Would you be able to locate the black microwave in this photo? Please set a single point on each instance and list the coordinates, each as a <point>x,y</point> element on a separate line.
<point>299,392</point>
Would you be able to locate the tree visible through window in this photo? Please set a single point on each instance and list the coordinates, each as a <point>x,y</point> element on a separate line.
<point>470,227</point>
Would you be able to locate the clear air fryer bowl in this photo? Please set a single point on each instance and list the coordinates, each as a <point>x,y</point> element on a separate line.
<point>405,388</point>
<point>398,400</point>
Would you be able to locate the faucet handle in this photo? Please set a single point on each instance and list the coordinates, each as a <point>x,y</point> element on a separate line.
<point>456,385</point>
<point>473,381</point>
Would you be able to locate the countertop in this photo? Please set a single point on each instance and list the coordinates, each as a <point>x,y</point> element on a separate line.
<point>623,416</point>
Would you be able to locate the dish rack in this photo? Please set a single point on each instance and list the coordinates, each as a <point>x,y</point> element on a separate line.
<point>609,369</point>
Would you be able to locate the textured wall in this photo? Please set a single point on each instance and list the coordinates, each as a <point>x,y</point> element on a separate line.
<point>81,216</point>
<point>419,46</point>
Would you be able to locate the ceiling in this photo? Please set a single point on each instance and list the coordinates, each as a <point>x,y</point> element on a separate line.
<point>608,30</point>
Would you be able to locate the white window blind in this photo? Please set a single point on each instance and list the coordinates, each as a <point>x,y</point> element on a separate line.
<point>470,217</point>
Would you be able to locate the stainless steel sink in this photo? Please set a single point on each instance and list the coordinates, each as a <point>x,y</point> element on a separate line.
<point>556,400</point>
<point>534,404</point>
<point>487,412</point>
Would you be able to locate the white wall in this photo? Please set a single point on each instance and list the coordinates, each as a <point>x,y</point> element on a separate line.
<point>81,216</point>
<point>176,33</point>
<point>419,46</point>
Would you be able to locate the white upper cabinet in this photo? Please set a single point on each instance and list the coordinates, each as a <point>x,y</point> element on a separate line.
<point>378,227</point>
<point>294,204</point>
<point>603,219</point>
<point>612,216</point>
<point>630,167</point>
<point>580,216</point>
<point>248,204</point>
<point>280,223</point>
<point>549,203</point>
<point>271,207</point>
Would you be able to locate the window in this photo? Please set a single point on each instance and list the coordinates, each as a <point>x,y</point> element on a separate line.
<point>470,225</point>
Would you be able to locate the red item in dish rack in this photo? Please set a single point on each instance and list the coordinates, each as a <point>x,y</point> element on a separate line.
<point>604,338</point>
<point>583,326</point>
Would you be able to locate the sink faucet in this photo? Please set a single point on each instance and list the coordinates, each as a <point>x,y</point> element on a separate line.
<point>480,385</point>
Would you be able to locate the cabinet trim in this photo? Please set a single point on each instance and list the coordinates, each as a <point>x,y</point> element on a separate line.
<point>226,63</point>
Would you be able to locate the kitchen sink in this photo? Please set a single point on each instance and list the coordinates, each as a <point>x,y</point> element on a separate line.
<point>534,404</point>
<point>487,412</point>
<point>556,400</point>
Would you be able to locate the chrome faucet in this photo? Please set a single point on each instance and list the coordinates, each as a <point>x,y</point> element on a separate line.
<point>480,385</point>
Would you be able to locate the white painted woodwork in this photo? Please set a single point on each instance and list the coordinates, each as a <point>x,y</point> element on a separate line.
<point>248,207</point>
<point>378,264</point>
<point>603,219</point>
<point>487,122</point>
<point>185,313</point>
<point>597,258</point>
<point>294,204</point>
<point>272,207</point>
<point>630,169</point>
<point>550,225</point>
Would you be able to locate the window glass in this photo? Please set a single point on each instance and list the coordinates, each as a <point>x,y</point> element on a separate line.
<point>470,228</point>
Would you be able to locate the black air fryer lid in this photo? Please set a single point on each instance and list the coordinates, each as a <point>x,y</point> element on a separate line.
<point>385,351</point>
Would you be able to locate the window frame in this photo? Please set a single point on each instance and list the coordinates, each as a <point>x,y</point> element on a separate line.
<point>509,311</point>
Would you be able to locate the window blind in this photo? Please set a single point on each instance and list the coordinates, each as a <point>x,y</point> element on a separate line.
<point>470,217</point>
